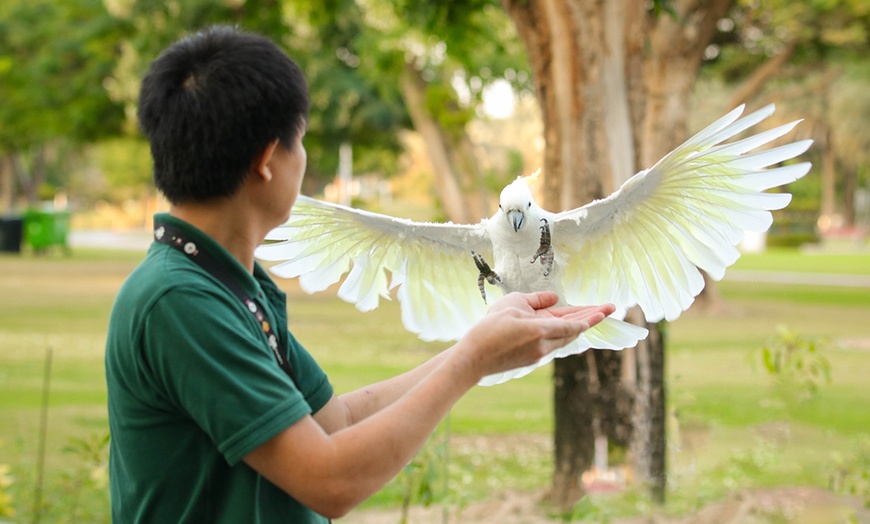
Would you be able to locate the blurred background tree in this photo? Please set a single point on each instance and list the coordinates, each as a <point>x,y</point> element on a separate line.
<point>54,58</point>
<point>69,73</point>
<point>811,59</point>
<point>409,65</point>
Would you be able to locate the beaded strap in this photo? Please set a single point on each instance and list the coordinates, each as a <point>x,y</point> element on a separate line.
<point>166,234</point>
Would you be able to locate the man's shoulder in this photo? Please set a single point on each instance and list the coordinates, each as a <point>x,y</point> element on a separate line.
<point>162,271</point>
<point>163,278</point>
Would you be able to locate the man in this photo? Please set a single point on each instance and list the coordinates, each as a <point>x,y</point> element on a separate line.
<point>217,413</point>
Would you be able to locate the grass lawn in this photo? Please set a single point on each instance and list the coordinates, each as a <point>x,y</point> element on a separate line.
<point>785,259</point>
<point>728,429</point>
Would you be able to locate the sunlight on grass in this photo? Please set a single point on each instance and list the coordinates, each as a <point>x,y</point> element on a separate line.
<point>782,259</point>
<point>726,431</point>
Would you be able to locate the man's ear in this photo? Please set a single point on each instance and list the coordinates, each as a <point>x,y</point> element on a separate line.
<point>260,165</point>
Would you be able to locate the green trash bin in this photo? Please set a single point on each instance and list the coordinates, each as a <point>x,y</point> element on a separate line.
<point>11,232</point>
<point>43,229</point>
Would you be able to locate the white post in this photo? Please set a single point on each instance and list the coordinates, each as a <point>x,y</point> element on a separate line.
<point>345,173</point>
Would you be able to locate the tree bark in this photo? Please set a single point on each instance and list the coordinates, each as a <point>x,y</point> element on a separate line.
<point>574,435</point>
<point>648,444</point>
<point>7,191</point>
<point>849,177</point>
<point>829,176</point>
<point>30,173</point>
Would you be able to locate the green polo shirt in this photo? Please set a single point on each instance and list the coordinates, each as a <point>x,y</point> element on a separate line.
<point>194,387</point>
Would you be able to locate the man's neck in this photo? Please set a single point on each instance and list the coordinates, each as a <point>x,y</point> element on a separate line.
<point>228,225</point>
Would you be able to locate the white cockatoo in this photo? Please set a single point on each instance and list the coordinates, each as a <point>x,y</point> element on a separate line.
<point>642,245</point>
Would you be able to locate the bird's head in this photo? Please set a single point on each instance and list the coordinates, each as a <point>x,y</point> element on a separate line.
<point>516,201</point>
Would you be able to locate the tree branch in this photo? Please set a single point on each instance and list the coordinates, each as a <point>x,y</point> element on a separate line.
<point>756,81</point>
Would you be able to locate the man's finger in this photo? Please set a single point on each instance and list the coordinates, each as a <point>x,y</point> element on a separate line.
<point>580,311</point>
<point>590,317</point>
<point>558,329</point>
<point>542,299</point>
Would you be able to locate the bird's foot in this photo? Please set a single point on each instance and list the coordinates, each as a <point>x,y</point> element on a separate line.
<point>486,274</point>
<point>545,250</point>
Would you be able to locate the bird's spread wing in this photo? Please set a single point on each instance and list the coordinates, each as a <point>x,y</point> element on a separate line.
<point>644,243</point>
<point>431,264</point>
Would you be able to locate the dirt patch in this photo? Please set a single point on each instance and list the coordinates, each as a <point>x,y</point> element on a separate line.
<point>855,344</point>
<point>800,505</point>
<point>774,505</point>
<point>502,508</point>
<point>756,506</point>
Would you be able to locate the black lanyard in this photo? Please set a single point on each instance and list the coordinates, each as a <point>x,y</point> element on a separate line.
<point>169,235</point>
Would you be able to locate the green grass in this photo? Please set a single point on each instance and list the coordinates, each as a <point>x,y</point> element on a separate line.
<point>783,259</point>
<point>796,293</point>
<point>727,431</point>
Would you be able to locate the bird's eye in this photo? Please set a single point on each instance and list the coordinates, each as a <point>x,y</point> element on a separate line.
<point>499,206</point>
<point>529,206</point>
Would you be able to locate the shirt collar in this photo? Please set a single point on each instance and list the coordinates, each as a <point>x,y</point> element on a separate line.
<point>202,241</point>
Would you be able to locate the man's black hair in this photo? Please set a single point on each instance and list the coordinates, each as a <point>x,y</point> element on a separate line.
<point>210,103</point>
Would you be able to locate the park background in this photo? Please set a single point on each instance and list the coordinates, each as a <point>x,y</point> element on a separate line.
<point>768,416</point>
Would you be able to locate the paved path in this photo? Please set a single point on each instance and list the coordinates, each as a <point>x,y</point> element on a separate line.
<point>794,277</point>
<point>135,240</point>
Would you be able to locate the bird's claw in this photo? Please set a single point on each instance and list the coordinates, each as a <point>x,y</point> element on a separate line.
<point>486,274</point>
<point>545,250</point>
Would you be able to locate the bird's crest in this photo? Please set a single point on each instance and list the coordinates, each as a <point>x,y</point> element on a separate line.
<point>531,179</point>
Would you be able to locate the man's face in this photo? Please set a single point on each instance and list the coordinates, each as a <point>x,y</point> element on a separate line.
<point>288,170</point>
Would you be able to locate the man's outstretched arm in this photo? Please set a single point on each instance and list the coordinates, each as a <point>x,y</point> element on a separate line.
<point>352,407</point>
<point>333,472</point>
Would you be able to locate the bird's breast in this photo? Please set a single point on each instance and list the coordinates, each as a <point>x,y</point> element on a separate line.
<point>513,252</point>
<point>519,273</point>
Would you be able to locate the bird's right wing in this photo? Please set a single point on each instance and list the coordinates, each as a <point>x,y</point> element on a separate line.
<point>644,243</point>
<point>430,263</point>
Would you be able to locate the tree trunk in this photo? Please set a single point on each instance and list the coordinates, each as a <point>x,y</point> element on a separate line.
<point>7,185</point>
<point>584,96</point>
<point>456,173</point>
<point>850,187</point>
<point>574,434</point>
<point>30,173</point>
<point>670,71</point>
<point>648,444</point>
<point>613,84</point>
<point>829,178</point>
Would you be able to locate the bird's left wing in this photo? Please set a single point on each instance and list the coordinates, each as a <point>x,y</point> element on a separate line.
<point>430,263</point>
<point>644,243</point>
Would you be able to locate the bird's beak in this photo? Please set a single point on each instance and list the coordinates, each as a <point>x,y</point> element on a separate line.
<point>516,217</point>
